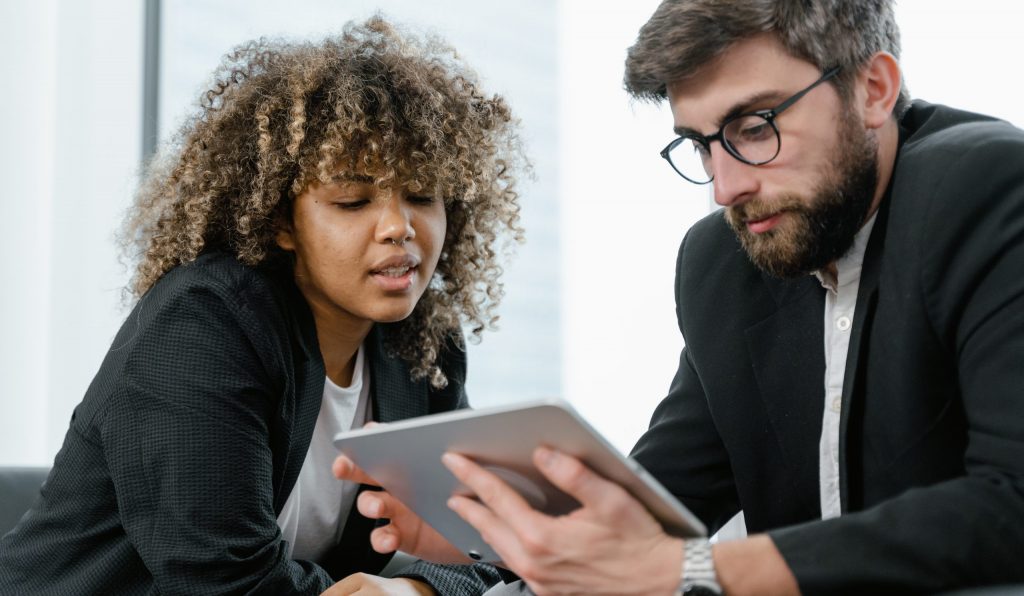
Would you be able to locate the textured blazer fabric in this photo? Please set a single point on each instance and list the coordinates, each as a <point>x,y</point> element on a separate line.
<point>189,441</point>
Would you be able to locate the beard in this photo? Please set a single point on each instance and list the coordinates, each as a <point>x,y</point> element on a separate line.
<point>822,227</point>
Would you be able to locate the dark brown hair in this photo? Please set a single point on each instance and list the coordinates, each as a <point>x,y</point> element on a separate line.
<point>684,35</point>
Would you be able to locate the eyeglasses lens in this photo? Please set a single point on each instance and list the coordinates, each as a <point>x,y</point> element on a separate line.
<point>752,138</point>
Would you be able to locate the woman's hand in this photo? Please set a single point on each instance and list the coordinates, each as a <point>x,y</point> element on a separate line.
<point>365,584</point>
<point>406,531</point>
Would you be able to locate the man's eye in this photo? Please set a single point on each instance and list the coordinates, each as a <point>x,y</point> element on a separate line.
<point>750,129</point>
<point>756,132</point>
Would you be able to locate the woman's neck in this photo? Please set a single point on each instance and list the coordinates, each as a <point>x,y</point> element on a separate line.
<point>339,344</point>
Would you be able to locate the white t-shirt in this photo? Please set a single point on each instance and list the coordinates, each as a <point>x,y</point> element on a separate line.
<point>314,514</point>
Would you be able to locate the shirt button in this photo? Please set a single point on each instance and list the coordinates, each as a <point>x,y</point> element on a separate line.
<point>837,403</point>
<point>843,323</point>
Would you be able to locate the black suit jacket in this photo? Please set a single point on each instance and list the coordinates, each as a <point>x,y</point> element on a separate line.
<point>189,441</point>
<point>932,423</point>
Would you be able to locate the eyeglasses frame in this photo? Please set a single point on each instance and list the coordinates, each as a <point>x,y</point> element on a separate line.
<point>769,116</point>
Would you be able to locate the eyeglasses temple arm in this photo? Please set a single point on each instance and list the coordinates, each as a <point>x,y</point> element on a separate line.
<point>792,100</point>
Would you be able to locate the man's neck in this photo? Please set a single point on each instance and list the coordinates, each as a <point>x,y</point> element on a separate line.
<point>888,146</point>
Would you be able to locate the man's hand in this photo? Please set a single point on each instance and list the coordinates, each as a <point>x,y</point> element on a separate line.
<point>365,584</point>
<point>611,545</point>
<point>406,531</point>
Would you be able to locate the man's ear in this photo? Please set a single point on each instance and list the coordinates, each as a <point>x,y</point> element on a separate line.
<point>881,80</point>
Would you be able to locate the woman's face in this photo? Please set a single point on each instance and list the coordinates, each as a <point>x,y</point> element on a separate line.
<point>362,254</point>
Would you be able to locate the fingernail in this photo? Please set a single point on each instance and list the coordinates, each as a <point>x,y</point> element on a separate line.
<point>547,456</point>
<point>451,461</point>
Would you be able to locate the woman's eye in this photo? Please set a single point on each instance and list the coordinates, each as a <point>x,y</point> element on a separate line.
<point>420,200</point>
<point>352,205</point>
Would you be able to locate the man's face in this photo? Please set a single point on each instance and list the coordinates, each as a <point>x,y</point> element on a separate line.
<point>801,211</point>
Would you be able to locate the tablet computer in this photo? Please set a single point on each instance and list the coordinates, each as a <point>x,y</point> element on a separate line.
<point>405,457</point>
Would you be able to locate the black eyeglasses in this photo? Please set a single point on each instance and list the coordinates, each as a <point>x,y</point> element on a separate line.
<point>752,138</point>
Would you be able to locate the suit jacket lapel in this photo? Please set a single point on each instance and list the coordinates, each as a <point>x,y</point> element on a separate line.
<point>864,313</point>
<point>787,355</point>
<point>394,396</point>
<point>297,417</point>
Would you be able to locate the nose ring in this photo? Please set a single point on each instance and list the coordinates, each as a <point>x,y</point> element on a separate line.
<point>399,242</point>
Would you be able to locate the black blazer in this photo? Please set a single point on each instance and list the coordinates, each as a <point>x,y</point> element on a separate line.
<point>189,441</point>
<point>932,423</point>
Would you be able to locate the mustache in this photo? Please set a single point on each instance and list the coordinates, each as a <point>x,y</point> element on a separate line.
<point>758,208</point>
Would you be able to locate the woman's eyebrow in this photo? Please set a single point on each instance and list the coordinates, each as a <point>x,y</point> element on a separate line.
<point>352,178</point>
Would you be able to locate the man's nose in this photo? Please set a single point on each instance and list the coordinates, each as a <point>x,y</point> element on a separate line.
<point>734,181</point>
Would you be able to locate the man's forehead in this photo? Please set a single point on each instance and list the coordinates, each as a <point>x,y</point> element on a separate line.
<point>749,72</point>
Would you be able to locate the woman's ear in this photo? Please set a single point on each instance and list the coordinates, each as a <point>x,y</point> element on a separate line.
<point>881,80</point>
<point>284,235</point>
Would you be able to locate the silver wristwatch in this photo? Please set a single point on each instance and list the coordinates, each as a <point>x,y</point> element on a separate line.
<point>699,578</point>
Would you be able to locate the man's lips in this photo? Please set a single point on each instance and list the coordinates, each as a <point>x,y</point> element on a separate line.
<point>760,226</point>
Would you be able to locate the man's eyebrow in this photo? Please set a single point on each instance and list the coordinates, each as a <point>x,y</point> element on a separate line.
<point>743,106</point>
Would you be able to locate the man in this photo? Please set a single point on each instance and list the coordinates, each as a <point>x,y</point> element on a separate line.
<point>854,320</point>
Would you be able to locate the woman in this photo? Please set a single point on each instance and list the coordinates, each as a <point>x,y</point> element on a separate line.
<point>307,254</point>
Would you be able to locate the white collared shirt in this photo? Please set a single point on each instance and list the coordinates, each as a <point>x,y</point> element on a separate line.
<point>840,302</point>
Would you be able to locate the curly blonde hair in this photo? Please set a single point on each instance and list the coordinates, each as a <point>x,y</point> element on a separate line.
<point>375,101</point>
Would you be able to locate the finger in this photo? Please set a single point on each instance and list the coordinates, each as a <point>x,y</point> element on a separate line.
<point>491,490</point>
<point>346,469</point>
<point>504,519</point>
<point>375,504</point>
<point>495,532</point>
<point>385,540</point>
<point>592,491</point>
<point>346,586</point>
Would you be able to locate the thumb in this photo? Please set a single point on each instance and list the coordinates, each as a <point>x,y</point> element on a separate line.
<point>346,469</point>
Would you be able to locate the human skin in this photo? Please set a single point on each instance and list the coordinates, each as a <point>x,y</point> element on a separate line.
<point>363,255</point>
<point>611,544</point>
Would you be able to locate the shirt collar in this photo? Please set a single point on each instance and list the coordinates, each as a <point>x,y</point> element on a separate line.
<point>848,266</point>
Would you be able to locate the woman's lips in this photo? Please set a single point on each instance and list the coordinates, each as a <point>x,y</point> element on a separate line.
<point>395,279</point>
<point>760,226</point>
